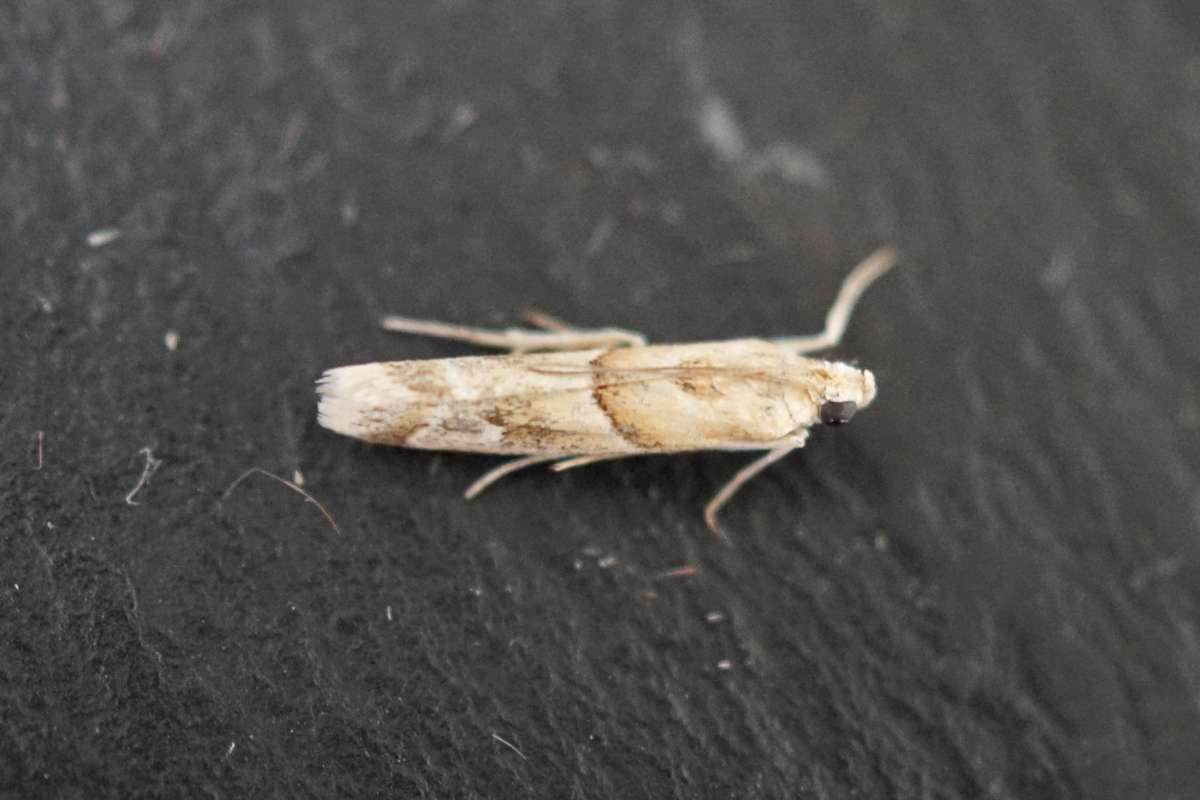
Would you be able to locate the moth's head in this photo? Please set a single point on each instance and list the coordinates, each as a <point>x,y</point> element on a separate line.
<point>845,390</point>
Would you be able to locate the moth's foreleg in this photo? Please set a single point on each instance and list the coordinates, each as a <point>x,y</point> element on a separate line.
<point>507,468</point>
<point>555,336</point>
<point>740,479</point>
<point>867,272</point>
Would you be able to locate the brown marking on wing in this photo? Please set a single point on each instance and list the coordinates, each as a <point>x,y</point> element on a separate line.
<point>692,403</point>
<point>524,427</point>
<point>394,424</point>
<point>462,423</point>
<point>692,379</point>
<point>605,396</point>
<point>389,429</point>
<point>536,438</point>
<point>424,379</point>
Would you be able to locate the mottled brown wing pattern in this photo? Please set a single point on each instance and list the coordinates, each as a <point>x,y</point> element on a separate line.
<point>655,399</point>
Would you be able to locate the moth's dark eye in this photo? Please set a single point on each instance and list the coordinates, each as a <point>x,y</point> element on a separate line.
<point>834,413</point>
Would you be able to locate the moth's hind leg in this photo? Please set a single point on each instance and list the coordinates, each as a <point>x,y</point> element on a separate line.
<point>583,461</point>
<point>517,464</point>
<point>555,335</point>
<point>867,272</point>
<point>507,468</point>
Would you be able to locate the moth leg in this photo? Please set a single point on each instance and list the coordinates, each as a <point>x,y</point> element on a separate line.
<point>519,340</point>
<point>867,272</point>
<point>740,479</point>
<point>547,322</point>
<point>606,337</point>
<point>507,468</point>
<point>583,461</point>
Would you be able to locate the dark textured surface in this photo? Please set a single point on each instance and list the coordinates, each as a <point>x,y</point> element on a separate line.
<point>985,586</point>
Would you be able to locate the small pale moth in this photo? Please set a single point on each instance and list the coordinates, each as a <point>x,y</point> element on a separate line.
<point>573,396</point>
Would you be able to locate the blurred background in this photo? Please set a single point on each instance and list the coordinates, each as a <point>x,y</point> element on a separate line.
<point>986,586</point>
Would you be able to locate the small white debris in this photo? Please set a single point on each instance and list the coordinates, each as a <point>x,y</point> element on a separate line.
<point>463,117</point>
<point>720,128</point>
<point>792,163</point>
<point>171,340</point>
<point>103,236</point>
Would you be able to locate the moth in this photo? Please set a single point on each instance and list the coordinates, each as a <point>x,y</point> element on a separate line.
<point>572,396</point>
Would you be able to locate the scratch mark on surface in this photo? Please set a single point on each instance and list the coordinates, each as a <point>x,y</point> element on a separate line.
<point>508,744</point>
<point>600,236</point>
<point>685,571</point>
<point>151,466</point>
